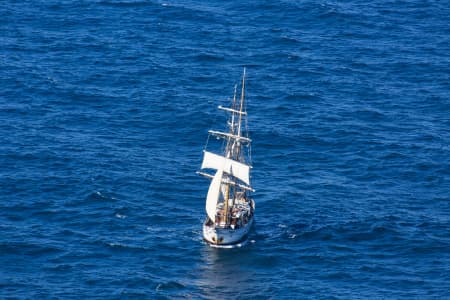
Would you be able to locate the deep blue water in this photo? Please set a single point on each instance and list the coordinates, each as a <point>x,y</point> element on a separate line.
<point>105,107</point>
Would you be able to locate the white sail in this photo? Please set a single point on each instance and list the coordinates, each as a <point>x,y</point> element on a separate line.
<point>230,166</point>
<point>213,195</point>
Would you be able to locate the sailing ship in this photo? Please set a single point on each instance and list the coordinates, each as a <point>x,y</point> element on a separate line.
<point>229,207</point>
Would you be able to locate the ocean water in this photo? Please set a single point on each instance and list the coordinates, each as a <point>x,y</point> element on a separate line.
<point>105,107</point>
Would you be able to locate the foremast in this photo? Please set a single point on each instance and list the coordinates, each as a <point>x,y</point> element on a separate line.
<point>231,167</point>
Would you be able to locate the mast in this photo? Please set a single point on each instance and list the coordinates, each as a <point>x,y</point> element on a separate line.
<point>229,154</point>
<point>239,130</point>
<point>242,105</point>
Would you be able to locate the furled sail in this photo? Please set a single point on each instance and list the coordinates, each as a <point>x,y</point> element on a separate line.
<point>230,166</point>
<point>213,195</point>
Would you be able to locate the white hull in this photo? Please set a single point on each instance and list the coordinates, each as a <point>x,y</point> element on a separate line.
<point>226,236</point>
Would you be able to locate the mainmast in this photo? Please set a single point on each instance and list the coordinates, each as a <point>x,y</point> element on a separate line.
<point>229,154</point>
<point>237,144</point>
<point>242,105</point>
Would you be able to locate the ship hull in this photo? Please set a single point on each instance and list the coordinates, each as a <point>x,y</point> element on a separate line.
<point>226,236</point>
<point>219,236</point>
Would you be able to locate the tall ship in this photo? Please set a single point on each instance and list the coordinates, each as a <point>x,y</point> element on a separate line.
<point>229,206</point>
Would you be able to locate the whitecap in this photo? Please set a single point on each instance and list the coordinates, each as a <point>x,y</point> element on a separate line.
<point>120,216</point>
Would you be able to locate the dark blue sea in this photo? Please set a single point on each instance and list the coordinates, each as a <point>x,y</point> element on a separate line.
<point>104,112</point>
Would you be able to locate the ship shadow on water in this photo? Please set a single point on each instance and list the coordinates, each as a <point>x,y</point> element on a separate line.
<point>223,270</point>
<point>229,272</point>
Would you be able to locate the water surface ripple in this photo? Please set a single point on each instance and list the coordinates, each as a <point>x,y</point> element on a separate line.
<point>105,107</point>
